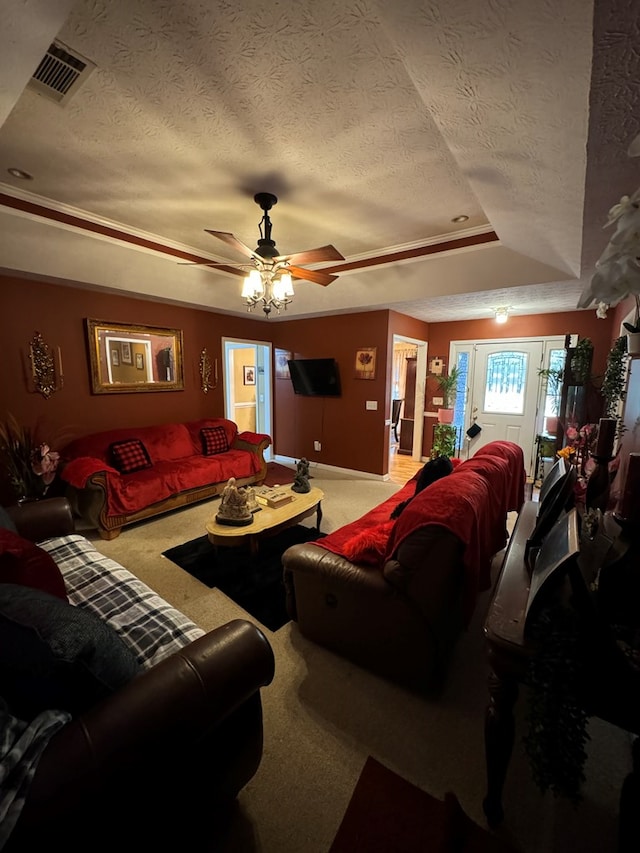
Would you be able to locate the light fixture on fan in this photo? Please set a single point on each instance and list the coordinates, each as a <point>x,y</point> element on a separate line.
<point>502,315</point>
<point>268,286</point>
<point>270,280</point>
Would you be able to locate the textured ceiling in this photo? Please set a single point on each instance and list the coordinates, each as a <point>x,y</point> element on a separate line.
<point>374,124</point>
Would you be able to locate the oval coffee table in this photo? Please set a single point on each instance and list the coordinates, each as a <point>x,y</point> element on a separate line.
<point>267,521</point>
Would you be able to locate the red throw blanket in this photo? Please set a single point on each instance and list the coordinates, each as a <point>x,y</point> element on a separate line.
<point>359,541</point>
<point>517,473</point>
<point>461,505</point>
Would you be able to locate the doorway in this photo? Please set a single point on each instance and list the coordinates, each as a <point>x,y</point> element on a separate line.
<point>408,387</point>
<point>247,386</point>
<point>504,393</point>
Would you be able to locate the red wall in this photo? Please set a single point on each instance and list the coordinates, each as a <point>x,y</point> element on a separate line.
<point>351,436</point>
<point>58,313</point>
<point>582,323</point>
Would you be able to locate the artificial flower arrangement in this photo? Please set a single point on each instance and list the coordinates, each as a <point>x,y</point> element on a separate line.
<point>617,272</point>
<point>30,465</point>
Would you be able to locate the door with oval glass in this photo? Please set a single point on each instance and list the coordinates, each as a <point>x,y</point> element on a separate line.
<point>504,394</point>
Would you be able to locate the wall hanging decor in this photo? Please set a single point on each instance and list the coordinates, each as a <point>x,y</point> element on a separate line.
<point>126,358</point>
<point>249,374</point>
<point>282,358</point>
<point>365,365</point>
<point>208,374</point>
<point>46,374</point>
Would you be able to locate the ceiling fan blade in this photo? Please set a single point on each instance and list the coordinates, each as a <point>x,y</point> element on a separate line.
<point>314,256</point>
<point>232,241</point>
<point>316,276</point>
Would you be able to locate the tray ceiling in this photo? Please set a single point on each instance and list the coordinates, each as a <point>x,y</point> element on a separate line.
<point>375,124</point>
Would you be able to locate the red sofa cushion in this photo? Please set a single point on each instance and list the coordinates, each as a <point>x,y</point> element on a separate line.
<point>24,563</point>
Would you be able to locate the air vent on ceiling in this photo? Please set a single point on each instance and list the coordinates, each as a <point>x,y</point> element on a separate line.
<point>60,73</point>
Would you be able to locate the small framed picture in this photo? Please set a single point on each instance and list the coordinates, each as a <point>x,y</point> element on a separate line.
<point>436,366</point>
<point>126,353</point>
<point>365,364</point>
<point>139,361</point>
<point>282,359</point>
<point>249,374</point>
<point>115,358</point>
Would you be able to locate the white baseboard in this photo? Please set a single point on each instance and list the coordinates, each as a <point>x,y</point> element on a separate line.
<point>363,475</point>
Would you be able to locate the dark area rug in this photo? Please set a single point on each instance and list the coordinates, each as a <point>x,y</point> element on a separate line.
<point>254,583</point>
<point>279,475</point>
<point>387,814</point>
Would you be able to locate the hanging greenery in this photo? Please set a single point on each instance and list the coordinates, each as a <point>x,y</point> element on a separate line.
<point>614,380</point>
<point>557,722</point>
<point>581,360</point>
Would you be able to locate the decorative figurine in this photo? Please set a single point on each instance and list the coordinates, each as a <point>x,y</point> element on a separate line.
<point>234,509</point>
<point>301,482</point>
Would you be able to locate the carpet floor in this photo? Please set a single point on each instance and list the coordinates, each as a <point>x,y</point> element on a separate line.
<point>253,582</point>
<point>388,814</point>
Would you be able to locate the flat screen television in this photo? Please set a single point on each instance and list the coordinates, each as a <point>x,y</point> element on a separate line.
<point>315,377</point>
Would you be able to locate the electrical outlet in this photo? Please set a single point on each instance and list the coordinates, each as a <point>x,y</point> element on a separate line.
<point>317,445</point>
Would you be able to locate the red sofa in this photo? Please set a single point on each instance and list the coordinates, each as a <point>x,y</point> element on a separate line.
<point>175,469</point>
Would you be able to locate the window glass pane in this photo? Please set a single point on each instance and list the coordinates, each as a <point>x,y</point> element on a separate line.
<point>461,393</point>
<point>505,383</point>
<point>554,385</point>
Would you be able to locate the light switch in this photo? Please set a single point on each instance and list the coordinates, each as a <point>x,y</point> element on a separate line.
<point>372,405</point>
<point>438,401</point>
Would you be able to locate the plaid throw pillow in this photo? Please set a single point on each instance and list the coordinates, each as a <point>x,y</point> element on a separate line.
<point>214,440</point>
<point>129,456</point>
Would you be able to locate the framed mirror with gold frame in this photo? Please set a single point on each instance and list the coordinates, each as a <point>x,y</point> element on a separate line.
<point>128,358</point>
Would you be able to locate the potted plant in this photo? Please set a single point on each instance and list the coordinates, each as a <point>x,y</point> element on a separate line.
<point>444,440</point>
<point>448,385</point>
<point>28,463</point>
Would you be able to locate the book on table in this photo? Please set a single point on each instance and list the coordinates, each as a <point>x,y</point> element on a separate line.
<point>273,497</point>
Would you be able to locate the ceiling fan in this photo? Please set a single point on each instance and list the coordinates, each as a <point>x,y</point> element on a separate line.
<point>269,265</point>
<point>266,252</point>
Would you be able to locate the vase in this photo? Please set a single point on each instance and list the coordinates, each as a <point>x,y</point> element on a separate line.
<point>633,343</point>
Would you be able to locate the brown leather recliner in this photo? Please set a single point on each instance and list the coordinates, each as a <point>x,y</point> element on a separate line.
<point>400,623</point>
<point>160,761</point>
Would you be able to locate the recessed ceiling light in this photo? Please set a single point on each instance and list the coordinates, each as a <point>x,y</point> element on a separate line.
<point>18,173</point>
<point>461,218</point>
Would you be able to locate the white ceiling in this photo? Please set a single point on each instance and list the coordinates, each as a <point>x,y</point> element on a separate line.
<point>374,123</point>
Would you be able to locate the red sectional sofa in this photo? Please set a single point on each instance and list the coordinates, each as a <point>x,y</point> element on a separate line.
<point>125,475</point>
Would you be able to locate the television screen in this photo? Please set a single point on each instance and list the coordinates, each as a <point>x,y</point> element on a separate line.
<point>315,377</point>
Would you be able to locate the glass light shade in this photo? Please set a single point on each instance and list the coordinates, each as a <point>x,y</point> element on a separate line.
<point>502,314</point>
<point>253,285</point>
<point>287,284</point>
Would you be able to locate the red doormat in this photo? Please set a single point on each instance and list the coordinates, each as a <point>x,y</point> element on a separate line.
<point>387,814</point>
<point>278,475</point>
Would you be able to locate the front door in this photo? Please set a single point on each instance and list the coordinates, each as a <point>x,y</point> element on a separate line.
<point>504,394</point>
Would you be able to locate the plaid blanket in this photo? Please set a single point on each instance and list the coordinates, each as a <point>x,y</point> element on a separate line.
<point>149,625</point>
<point>21,745</point>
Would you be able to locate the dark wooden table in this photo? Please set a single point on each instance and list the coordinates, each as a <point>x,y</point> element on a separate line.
<point>509,653</point>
